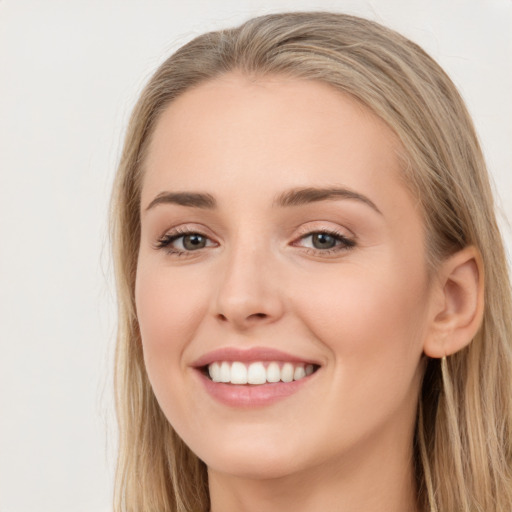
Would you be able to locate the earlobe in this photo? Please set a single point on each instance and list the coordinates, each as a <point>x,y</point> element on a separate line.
<point>459,305</point>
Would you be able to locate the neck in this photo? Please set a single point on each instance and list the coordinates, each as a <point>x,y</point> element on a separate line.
<point>374,478</point>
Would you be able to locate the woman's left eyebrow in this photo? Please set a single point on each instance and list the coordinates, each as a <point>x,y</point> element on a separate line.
<point>300,196</point>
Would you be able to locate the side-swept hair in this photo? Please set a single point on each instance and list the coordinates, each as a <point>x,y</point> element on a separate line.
<point>462,443</point>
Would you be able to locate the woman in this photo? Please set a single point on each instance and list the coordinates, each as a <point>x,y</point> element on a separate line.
<point>314,300</point>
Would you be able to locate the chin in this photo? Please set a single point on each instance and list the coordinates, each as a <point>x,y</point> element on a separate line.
<point>251,465</point>
<point>254,455</point>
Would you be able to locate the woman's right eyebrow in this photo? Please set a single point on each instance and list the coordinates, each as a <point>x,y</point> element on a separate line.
<point>191,199</point>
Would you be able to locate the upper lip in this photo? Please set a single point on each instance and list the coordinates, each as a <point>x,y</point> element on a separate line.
<point>248,356</point>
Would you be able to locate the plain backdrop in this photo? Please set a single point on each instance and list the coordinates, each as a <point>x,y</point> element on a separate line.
<point>70,72</point>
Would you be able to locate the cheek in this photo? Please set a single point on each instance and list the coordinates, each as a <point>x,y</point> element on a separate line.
<point>368,316</point>
<point>373,325</point>
<point>168,309</point>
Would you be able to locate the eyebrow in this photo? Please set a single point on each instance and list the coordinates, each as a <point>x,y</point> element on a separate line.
<point>300,196</point>
<point>191,199</point>
<point>294,197</point>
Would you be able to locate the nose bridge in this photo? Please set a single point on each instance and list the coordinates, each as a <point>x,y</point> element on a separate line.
<point>248,291</point>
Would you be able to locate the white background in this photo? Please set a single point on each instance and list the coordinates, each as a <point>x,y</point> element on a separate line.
<point>70,71</point>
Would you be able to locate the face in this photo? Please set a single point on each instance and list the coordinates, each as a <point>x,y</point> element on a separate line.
<point>282,291</point>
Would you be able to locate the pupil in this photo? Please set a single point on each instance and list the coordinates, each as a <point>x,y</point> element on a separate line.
<point>323,241</point>
<point>192,242</point>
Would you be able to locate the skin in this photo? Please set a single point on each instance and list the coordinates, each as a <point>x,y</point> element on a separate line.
<point>364,313</point>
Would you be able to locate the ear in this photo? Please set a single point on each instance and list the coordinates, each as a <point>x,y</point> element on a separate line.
<point>458,303</point>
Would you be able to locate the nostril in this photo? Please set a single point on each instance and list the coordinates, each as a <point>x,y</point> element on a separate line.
<point>255,316</point>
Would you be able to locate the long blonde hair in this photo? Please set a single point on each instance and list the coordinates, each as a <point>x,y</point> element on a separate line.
<point>462,445</point>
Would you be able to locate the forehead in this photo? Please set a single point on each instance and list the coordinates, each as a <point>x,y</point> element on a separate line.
<point>269,133</point>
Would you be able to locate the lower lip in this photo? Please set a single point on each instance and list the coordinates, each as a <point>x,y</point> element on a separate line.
<point>247,395</point>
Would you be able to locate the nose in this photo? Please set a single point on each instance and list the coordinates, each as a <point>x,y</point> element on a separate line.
<point>249,292</point>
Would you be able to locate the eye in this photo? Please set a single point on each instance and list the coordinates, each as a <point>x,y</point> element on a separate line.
<point>193,241</point>
<point>325,241</point>
<point>183,242</point>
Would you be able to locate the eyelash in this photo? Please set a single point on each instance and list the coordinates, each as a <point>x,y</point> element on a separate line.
<point>166,240</point>
<point>343,243</point>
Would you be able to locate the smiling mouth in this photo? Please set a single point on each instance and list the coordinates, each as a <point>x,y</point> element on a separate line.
<point>257,373</point>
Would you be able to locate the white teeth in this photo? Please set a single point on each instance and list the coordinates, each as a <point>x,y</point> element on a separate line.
<point>225,372</point>
<point>258,373</point>
<point>238,373</point>
<point>214,370</point>
<point>273,372</point>
<point>299,373</point>
<point>287,372</point>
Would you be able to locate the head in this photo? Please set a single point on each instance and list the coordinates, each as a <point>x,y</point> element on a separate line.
<point>461,400</point>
